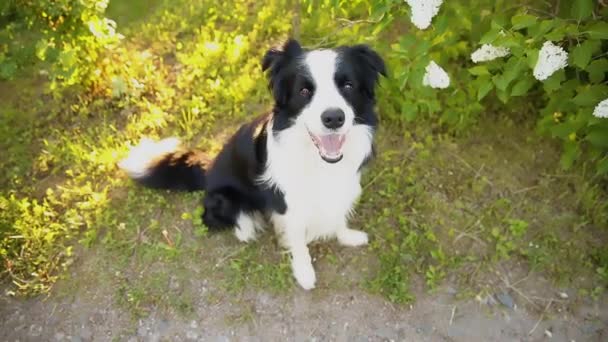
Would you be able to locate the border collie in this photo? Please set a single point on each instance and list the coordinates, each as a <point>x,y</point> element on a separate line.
<point>297,168</point>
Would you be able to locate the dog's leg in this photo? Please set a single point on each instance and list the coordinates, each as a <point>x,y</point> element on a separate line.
<point>351,237</point>
<point>293,235</point>
<point>245,227</point>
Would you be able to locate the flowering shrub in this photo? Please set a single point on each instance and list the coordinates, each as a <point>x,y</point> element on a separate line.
<point>70,36</point>
<point>455,59</point>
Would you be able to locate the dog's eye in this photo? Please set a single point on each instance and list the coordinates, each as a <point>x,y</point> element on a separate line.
<point>348,85</point>
<point>305,92</point>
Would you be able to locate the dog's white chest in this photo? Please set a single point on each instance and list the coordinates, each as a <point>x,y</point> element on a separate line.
<point>319,195</point>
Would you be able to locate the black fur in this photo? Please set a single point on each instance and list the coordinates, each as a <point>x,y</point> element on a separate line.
<point>231,180</point>
<point>181,170</point>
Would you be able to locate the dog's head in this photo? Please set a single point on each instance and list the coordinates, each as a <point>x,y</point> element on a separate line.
<point>325,92</point>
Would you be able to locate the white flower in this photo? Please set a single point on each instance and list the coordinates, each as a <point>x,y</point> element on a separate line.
<point>550,59</point>
<point>489,52</point>
<point>601,110</point>
<point>435,77</point>
<point>423,11</point>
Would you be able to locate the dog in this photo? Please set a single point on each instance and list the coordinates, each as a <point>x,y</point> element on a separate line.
<point>298,167</point>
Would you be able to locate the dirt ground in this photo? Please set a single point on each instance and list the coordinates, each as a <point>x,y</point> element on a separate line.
<point>343,316</point>
<point>91,313</point>
<point>94,300</point>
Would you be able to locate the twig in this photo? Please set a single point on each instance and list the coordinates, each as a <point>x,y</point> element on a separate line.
<point>374,179</point>
<point>228,256</point>
<point>452,317</point>
<point>167,238</point>
<point>347,24</point>
<point>524,189</point>
<point>519,292</point>
<point>540,318</point>
<point>465,163</point>
<point>471,236</point>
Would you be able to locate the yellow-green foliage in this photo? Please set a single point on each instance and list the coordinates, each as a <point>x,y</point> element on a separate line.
<point>196,62</point>
<point>85,89</point>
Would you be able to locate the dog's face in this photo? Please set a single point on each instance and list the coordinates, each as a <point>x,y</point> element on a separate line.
<point>325,92</point>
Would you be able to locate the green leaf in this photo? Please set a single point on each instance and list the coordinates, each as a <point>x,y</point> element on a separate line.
<point>500,82</point>
<point>597,69</point>
<point>539,30</point>
<point>581,55</point>
<point>404,78</point>
<point>479,70</point>
<point>8,69</point>
<point>590,95</point>
<point>554,81</point>
<point>581,9</point>
<point>484,89</point>
<point>513,69</point>
<point>598,30</point>
<point>521,21</point>
<point>561,30</point>
<point>409,110</point>
<point>119,86</point>
<point>522,86</point>
<point>502,95</point>
<point>41,49</point>
<point>532,57</point>
<point>563,130</point>
<point>602,167</point>
<point>598,136</point>
<point>571,153</point>
<point>379,9</point>
<point>490,36</point>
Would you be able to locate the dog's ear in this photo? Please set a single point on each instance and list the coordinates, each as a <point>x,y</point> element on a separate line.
<point>369,57</point>
<point>370,66</point>
<point>274,57</point>
<point>276,60</point>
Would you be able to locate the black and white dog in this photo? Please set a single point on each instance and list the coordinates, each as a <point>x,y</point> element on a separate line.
<point>298,167</point>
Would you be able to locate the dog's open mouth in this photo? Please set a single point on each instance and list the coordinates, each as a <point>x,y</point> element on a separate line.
<point>329,146</point>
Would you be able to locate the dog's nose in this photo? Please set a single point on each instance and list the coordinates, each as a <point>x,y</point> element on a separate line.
<point>333,118</point>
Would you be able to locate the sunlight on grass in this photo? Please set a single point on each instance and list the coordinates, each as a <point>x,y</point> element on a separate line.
<point>451,197</point>
<point>66,185</point>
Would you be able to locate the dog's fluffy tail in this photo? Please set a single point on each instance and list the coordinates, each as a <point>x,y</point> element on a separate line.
<point>165,165</point>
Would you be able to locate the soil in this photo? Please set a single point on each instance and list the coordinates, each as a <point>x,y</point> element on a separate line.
<point>91,313</point>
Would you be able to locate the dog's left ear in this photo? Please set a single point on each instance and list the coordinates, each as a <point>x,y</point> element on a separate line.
<point>274,57</point>
<point>275,60</point>
<point>370,66</point>
<point>370,58</point>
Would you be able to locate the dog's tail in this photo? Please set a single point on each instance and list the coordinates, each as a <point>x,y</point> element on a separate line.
<point>165,165</point>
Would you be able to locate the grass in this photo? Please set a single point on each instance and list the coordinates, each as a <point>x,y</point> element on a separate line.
<point>447,207</point>
<point>439,208</point>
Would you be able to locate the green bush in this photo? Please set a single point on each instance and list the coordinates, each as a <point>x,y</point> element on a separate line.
<point>564,102</point>
<point>69,36</point>
<point>171,80</point>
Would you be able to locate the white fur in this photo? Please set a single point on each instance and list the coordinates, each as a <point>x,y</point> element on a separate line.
<point>322,67</point>
<point>137,162</point>
<point>319,195</point>
<point>247,226</point>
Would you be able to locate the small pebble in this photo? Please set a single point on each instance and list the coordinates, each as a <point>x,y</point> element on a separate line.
<point>506,300</point>
<point>548,333</point>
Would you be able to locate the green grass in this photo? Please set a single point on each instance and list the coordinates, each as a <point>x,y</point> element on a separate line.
<point>447,206</point>
<point>438,207</point>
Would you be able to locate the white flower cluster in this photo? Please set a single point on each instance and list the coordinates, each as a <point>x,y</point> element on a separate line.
<point>423,11</point>
<point>601,110</point>
<point>551,58</point>
<point>435,76</point>
<point>489,52</point>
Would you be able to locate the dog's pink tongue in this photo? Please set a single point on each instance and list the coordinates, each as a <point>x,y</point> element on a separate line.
<point>332,143</point>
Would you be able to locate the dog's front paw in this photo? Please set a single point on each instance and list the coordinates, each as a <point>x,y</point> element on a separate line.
<point>351,237</point>
<point>304,273</point>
